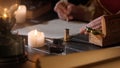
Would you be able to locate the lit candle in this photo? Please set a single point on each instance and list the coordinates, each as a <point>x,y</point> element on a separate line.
<point>36,39</point>
<point>20,14</point>
<point>5,14</point>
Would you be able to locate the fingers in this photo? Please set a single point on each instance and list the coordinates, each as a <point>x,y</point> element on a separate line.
<point>97,27</point>
<point>62,16</point>
<point>95,24</point>
<point>70,8</point>
<point>83,30</point>
<point>71,14</point>
<point>62,10</point>
<point>60,7</point>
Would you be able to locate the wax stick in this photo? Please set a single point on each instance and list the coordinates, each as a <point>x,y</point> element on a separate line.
<point>66,35</point>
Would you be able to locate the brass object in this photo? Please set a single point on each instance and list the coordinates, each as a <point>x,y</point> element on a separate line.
<point>93,31</point>
<point>66,35</point>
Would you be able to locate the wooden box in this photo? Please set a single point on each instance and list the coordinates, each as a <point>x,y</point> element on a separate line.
<point>110,31</point>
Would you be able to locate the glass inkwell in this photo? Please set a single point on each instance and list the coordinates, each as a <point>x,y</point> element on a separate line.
<point>11,45</point>
<point>57,47</point>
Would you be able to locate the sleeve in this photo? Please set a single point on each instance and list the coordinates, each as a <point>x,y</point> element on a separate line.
<point>99,9</point>
<point>88,9</point>
<point>94,9</point>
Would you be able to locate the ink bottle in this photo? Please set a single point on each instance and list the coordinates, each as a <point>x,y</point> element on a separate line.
<point>57,47</point>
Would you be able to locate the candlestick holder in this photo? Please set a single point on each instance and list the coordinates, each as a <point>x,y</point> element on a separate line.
<point>11,45</point>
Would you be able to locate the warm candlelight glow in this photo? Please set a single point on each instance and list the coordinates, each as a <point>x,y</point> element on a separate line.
<point>36,38</point>
<point>5,14</point>
<point>5,9</point>
<point>35,32</point>
<point>20,14</point>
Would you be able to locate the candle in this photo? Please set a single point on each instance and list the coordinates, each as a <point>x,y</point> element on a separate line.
<point>20,14</point>
<point>5,14</point>
<point>36,39</point>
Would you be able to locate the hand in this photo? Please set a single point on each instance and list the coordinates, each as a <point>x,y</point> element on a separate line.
<point>68,11</point>
<point>62,11</point>
<point>95,24</point>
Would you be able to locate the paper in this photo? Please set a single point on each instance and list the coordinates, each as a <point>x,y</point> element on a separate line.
<point>54,28</point>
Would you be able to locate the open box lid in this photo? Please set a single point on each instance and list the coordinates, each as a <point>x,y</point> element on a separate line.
<point>110,31</point>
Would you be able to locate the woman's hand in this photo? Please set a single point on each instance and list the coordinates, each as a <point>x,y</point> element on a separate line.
<point>95,24</point>
<point>68,11</point>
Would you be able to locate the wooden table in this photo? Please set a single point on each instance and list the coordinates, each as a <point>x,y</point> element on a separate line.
<point>34,56</point>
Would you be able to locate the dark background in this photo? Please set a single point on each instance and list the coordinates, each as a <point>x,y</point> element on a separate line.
<point>37,3</point>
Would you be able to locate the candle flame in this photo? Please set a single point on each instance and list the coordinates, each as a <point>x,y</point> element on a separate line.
<point>35,32</point>
<point>5,9</point>
<point>5,13</point>
<point>19,8</point>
